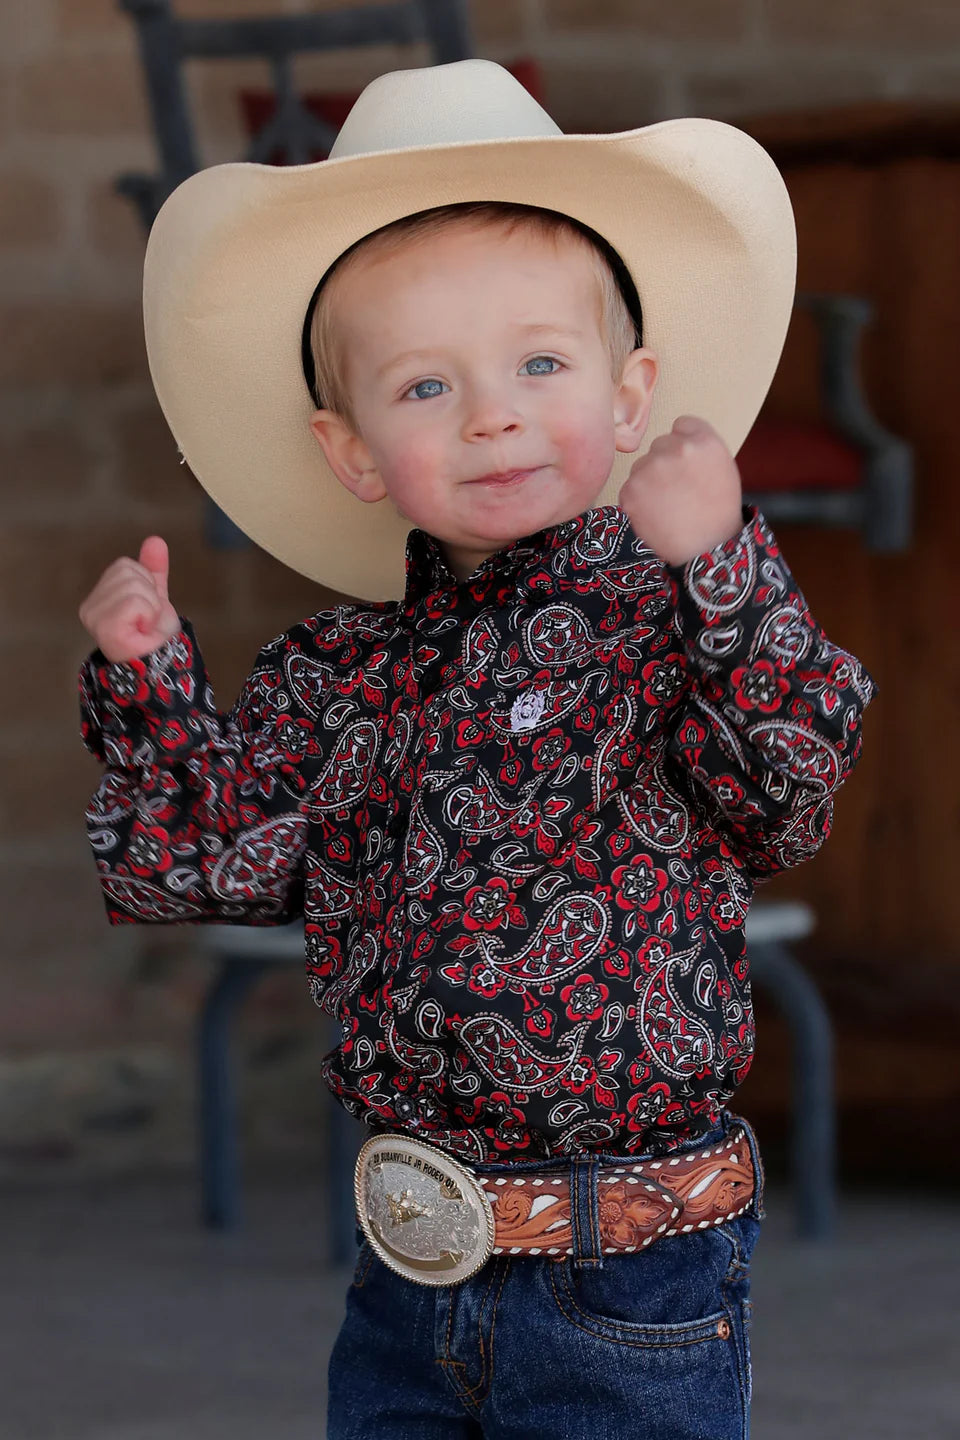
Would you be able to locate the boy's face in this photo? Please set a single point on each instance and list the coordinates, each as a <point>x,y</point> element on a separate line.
<point>484,405</point>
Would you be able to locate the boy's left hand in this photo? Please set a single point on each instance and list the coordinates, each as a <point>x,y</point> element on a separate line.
<point>684,496</point>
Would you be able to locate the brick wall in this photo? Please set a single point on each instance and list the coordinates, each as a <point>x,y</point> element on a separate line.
<point>94,1022</point>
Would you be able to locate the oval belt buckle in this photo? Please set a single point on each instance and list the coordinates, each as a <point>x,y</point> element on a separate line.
<point>424,1214</point>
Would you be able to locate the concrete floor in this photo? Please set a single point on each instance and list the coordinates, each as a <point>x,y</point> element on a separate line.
<point>123,1320</point>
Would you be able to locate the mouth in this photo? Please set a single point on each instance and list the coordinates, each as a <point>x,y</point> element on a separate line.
<point>504,479</point>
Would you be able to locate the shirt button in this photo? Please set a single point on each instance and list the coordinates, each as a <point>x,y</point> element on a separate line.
<point>432,677</point>
<point>397,827</point>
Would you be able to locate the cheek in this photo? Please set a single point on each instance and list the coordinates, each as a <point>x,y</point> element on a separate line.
<point>586,442</point>
<point>408,458</point>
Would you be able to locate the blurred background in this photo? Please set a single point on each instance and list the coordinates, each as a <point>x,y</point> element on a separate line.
<point>857,100</point>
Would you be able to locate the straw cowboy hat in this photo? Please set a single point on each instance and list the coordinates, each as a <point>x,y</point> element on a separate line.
<point>695,208</point>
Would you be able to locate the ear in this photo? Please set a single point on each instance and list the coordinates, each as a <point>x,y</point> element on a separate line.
<point>633,399</point>
<point>347,456</point>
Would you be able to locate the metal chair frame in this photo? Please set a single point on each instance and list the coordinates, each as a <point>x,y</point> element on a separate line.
<point>882,507</point>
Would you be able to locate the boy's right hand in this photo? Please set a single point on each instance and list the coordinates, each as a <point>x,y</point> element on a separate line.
<point>127,612</point>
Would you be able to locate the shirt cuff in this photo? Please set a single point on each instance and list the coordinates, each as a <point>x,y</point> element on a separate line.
<point>721,596</point>
<point>125,701</point>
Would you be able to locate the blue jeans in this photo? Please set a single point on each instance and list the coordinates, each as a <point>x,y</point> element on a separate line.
<point>651,1346</point>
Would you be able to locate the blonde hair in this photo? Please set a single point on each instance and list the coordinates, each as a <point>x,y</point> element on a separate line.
<point>617,326</point>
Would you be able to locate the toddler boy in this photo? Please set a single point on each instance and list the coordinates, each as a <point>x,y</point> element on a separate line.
<point>521,804</point>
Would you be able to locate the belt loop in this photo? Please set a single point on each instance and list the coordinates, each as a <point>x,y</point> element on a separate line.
<point>756,1201</point>
<point>585,1213</point>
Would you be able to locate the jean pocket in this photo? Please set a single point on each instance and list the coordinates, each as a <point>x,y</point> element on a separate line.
<point>623,1301</point>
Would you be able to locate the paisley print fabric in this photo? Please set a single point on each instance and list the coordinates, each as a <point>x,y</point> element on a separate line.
<point>522,817</point>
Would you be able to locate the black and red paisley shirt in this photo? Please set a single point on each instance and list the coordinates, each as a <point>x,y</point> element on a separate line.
<point>522,817</point>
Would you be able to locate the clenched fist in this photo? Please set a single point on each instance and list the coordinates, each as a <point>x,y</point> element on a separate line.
<point>127,612</point>
<point>684,496</point>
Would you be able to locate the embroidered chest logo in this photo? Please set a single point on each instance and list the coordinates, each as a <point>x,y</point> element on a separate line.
<point>527,709</point>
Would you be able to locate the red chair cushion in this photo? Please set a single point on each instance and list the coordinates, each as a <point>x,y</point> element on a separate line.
<point>788,455</point>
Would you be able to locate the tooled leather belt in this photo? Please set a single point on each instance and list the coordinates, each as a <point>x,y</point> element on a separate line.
<point>638,1203</point>
<point>436,1222</point>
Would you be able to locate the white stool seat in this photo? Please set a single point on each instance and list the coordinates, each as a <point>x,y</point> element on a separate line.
<point>783,920</point>
<point>281,943</point>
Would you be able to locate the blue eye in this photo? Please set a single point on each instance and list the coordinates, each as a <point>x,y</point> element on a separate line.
<point>540,365</point>
<point>427,389</point>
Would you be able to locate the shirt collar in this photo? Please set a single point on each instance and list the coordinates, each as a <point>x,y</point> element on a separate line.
<point>595,541</point>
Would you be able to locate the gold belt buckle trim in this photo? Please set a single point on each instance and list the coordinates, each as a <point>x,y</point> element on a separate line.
<point>424,1214</point>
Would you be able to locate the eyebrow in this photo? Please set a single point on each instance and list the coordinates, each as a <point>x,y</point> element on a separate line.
<point>402,359</point>
<point>562,330</point>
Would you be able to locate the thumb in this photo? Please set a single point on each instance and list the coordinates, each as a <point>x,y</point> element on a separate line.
<point>691,425</point>
<point>155,557</point>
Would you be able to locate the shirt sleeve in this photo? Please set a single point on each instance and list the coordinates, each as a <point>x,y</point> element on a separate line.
<point>771,725</point>
<point>198,816</point>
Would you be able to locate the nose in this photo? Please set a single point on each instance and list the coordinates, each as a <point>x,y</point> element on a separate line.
<point>491,416</point>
